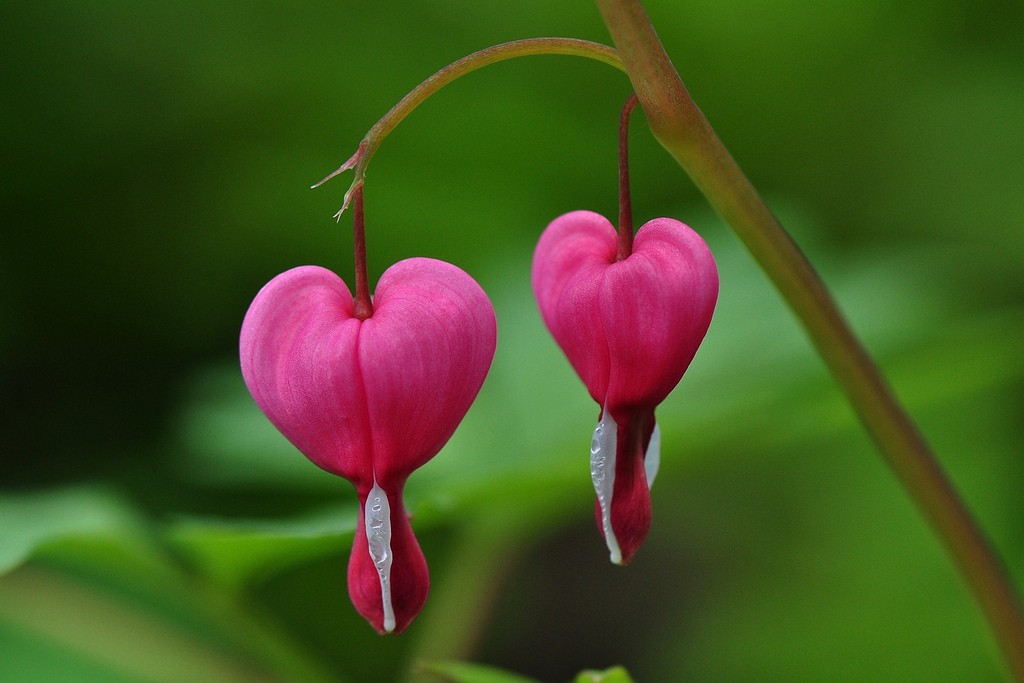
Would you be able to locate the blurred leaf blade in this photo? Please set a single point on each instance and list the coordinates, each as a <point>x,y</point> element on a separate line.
<point>233,551</point>
<point>616,674</point>
<point>112,633</point>
<point>463,672</point>
<point>70,520</point>
<point>154,625</point>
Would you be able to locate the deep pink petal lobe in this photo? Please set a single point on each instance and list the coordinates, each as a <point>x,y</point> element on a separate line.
<point>568,266</point>
<point>297,351</point>
<point>656,307</point>
<point>410,580</point>
<point>423,355</point>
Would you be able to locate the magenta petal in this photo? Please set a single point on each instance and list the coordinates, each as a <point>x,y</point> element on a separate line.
<point>656,307</point>
<point>630,329</point>
<point>298,359</point>
<point>372,400</point>
<point>569,264</point>
<point>424,355</point>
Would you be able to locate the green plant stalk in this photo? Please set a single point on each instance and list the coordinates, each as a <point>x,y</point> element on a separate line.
<point>462,601</point>
<point>682,129</point>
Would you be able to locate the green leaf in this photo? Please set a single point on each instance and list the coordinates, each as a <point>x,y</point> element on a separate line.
<point>462,672</point>
<point>26,656</point>
<point>616,674</point>
<point>110,633</point>
<point>118,578</point>
<point>77,521</point>
<point>234,551</point>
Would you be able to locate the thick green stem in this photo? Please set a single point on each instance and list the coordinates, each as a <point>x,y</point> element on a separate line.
<point>498,53</point>
<point>681,127</point>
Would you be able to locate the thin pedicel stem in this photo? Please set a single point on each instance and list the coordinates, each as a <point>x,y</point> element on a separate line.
<point>363,302</point>
<point>625,205</point>
<point>498,53</point>
<point>680,126</point>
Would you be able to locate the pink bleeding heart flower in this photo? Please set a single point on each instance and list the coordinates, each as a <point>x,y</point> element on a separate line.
<point>372,399</point>
<point>630,329</point>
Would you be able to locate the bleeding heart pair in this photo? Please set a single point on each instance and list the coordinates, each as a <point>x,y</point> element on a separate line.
<point>371,389</point>
<point>372,400</point>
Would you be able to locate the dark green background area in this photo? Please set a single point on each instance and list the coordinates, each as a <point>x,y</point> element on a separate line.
<point>157,159</point>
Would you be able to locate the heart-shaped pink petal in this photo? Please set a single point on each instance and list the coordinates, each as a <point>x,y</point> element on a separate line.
<point>630,329</point>
<point>371,400</point>
<point>375,398</point>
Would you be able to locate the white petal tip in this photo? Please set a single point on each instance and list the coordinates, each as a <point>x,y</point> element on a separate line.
<point>378,536</point>
<point>602,471</point>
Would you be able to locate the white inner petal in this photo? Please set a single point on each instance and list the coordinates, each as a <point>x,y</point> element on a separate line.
<point>652,458</point>
<point>378,535</point>
<point>602,471</point>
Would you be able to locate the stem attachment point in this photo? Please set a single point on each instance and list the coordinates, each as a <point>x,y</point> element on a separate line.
<point>625,204</point>
<point>363,302</point>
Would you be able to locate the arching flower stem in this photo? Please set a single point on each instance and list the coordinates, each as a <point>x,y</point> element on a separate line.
<point>625,205</point>
<point>455,70</point>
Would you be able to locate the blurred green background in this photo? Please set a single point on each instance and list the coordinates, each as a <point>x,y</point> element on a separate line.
<point>157,162</point>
